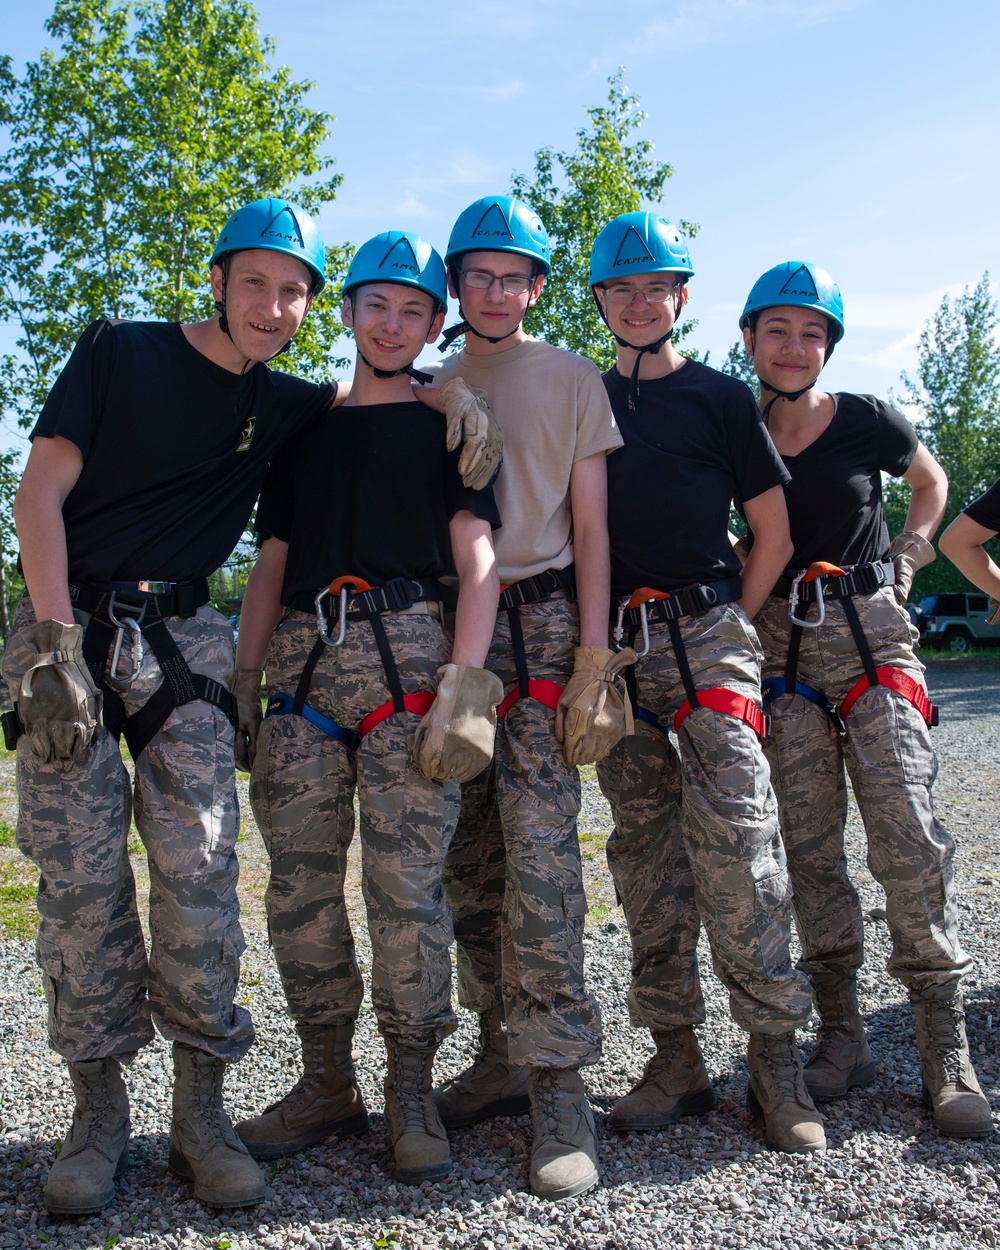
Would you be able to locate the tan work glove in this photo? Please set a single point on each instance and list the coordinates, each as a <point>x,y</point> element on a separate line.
<point>472,426</point>
<point>57,701</point>
<point>994,616</point>
<point>245,684</point>
<point>909,553</point>
<point>593,713</point>
<point>455,739</point>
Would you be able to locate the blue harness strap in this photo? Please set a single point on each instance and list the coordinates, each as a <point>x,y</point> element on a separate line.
<point>774,687</point>
<point>643,713</point>
<point>283,704</point>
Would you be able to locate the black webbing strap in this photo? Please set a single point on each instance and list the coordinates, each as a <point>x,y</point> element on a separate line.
<point>538,588</point>
<point>388,663</point>
<point>305,677</point>
<point>680,655</point>
<point>517,645</point>
<point>862,579</point>
<point>860,641</point>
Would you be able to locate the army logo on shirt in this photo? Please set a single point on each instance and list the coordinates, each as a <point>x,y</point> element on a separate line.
<point>247,437</point>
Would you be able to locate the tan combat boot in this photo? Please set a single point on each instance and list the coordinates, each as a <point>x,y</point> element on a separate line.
<point>675,1083</point>
<point>203,1143</point>
<point>777,1095</point>
<point>419,1142</point>
<point>324,1102</point>
<point>950,1087</point>
<point>95,1151</point>
<point>564,1137</point>
<point>490,1087</point>
<point>841,1057</point>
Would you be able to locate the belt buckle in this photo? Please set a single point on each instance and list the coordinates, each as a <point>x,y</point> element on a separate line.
<point>401,600</point>
<point>793,603</point>
<point>155,588</point>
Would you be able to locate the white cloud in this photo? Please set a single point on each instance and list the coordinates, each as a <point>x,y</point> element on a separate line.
<point>696,22</point>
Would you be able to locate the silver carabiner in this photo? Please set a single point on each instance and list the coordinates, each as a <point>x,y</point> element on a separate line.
<point>322,627</point>
<point>619,630</point>
<point>132,623</point>
<point>793,603</point>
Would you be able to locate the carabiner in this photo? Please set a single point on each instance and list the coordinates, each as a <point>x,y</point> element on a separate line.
<point>321,624</point>
<point>619,630</point>
<point>133,623</point>
<point>793,603</point>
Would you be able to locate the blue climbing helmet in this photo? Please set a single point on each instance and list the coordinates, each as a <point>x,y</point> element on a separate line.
<point>638,243</point>
<point>401,257</point>
<point>500,223</point>
<point>276,226</point>
<point>800,284</point>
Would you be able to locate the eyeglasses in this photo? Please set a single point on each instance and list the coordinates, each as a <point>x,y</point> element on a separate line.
<point>511,283</point>
<point>657,293</point>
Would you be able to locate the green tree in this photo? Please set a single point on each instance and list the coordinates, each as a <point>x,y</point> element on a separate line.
<point>954,402</point>
<point>610,172</point>
<point>739,364</point>
<point>129,146</point>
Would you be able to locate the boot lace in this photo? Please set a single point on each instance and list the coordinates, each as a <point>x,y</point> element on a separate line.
<point>98,1120</point>
<point>409,1084</point>
<point>781,1065</point>
<point>945,1022</point>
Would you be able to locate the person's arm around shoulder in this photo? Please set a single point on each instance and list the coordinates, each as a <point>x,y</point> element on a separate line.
<point>52,470</point>
<point>454,741</point>
<point>593,712</point>
<point>767,517</point>
<point>962,542</point>
<point>258,617</point>
<point>911,550</point>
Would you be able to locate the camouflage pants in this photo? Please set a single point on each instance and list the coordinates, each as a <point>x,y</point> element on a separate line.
<point>73,823</point>
<point>513,873</point>
<point>888,754</point>
<point>302,792</point>
<point>697,832</point>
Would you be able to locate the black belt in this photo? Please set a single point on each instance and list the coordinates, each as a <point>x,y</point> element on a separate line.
<point>690,601</point>
<point>862,579</point>
<point>170,598</point>
<point>538,588</point>
<point>396,595</point>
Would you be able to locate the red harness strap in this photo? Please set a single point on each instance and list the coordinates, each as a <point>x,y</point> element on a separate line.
<point>902,683</point>
<point>718,699</point>
<point>419,704</point>
<point>543,691</point>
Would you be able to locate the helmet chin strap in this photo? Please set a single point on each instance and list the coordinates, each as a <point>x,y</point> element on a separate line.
<point>419,375</point>
<point>791,396</point>
<point>652,348</point>
<point>465,327</point>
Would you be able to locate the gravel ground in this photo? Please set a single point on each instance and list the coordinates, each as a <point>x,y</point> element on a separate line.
<point>887,1178</point>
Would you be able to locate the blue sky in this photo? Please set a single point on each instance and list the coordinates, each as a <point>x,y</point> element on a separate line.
<point>861,134</point>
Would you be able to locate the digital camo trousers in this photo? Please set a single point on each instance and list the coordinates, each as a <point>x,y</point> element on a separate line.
<point>73,823</point>
<point>513,873</point>
<point>696,833</point>
<point>302,793</point>
<point>888,754</point>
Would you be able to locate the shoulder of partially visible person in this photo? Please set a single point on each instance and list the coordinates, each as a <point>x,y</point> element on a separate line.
<point>985,510</point>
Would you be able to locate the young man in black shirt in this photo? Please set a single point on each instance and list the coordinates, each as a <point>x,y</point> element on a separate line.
<point>145,463</point>
<point>696,826</point>
<point>845,688</point>
<point>370,503</point>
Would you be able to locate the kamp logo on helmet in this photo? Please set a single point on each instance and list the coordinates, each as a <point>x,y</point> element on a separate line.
<point>632,251</point>
<point>800,285</point>
<point>493,225</point>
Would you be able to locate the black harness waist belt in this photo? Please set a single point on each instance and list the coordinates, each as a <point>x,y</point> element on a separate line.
<point>862,579</point>
<point>396,595</point>
<point>538,588</point>
<point>690,601</point>
<point>169,598</point>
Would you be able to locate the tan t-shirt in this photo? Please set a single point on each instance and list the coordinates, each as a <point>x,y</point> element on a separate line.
<point>553,409</point>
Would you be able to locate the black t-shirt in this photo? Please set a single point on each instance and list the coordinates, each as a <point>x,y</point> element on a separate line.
<point>695,442</point>
<point>835,495</point>
<point>368,490</point>
<point>985,510</point>
<point>175,450</point>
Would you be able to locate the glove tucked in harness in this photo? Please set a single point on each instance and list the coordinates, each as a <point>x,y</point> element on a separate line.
<point>811,586</point>
<point>646,605</point>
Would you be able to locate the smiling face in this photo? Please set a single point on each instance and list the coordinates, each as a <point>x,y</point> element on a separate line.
<point>391,322</point>
<point>491,310</point>
<point>788,345</point>
<point>643,307</point>
<point>267,295</point>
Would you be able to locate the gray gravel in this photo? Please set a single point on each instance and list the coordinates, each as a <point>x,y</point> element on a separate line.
<point>887,1179</point>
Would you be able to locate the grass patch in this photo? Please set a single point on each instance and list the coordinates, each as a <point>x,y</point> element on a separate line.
<point>7,834</point>
<point>982,657</point>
